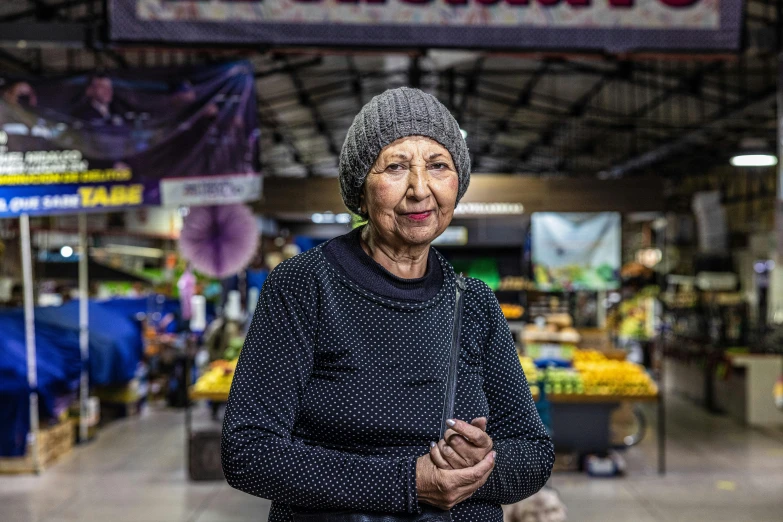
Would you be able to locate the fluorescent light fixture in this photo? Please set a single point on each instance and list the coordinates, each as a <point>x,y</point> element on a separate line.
<point>464,133</point>
<point>66,251</point>
<point>130,250</point>
<point>754,160</point>
<point>489,209</point>
<point>328,218</point>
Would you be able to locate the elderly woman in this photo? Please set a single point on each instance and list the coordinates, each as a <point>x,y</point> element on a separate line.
<point>337,400</point>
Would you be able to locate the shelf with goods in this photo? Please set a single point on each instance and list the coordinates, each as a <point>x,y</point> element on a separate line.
<point>701,329</point>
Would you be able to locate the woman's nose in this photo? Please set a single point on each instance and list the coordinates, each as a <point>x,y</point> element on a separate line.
<point>418,182</point>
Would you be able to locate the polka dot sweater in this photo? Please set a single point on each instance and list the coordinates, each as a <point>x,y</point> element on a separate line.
<point>339,390</point>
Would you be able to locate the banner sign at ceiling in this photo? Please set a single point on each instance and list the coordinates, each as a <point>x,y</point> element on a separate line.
<point>606,25</point>
<point>576,251</point>
<point>184,136</point>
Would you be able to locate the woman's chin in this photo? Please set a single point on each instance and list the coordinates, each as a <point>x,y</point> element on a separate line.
<point>420,235</point>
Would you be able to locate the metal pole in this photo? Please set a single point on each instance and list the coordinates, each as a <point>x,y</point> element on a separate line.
<point>29,327</point>
<point>84,331</point>
<point>775,306</point>
<point>661,240</point>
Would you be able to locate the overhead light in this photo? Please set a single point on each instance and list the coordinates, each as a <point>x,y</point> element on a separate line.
<point>328,218</point>
<point>489,209</point>
<point>754,152</point>
<point>464,133</point>
<point>754,160</point>
<point>66,251</point>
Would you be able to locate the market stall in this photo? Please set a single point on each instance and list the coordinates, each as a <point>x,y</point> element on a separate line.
<point>99,154</point>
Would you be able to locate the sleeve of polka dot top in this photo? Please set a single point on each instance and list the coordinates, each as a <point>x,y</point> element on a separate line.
<point>525,453</point>
<point>258,454</point>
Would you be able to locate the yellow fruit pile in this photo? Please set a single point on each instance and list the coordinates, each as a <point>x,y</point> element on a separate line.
<point>531,373</point>
<point>529,367</point>
<point>581,356</point>
<point>512,311</point>
<point>606,377</point>
<point>218,378</point>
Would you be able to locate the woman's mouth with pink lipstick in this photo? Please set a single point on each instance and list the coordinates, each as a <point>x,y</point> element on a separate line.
<point>419,216</point>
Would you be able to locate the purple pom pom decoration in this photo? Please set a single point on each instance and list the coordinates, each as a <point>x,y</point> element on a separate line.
<point>219,241</point>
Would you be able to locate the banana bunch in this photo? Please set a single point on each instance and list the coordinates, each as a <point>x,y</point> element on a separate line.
<point>218,378</point>
<point>609,377</point>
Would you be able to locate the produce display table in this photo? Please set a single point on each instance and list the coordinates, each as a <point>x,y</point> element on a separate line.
<point>207,396</point>
<point>581,423</point>
<point>598,399</point>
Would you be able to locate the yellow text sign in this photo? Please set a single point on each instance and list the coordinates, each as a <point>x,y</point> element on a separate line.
<point>111,196</point>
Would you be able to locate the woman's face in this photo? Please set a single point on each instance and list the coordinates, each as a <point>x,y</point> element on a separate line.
<point>411,191</point>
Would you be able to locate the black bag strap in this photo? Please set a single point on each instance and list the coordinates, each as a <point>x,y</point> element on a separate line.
<point>451,380</point>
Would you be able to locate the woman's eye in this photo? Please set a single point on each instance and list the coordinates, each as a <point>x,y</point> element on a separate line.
<point>395,167</point>
<point>439,166</point>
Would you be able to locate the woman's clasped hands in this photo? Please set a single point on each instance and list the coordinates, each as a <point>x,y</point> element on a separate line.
<point>457,465</point>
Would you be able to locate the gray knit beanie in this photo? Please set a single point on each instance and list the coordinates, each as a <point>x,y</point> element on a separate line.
<point>395,114</point>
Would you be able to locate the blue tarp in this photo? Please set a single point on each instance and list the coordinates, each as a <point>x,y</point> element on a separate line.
<point>59,365</point>
<point>115,351</point>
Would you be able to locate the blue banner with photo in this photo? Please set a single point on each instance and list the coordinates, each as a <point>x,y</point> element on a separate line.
<point>183,136</point>
<point>576,251</point>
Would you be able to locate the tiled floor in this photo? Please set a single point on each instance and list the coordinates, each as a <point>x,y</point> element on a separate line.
<point>134,472</point>
<point>717,471</point>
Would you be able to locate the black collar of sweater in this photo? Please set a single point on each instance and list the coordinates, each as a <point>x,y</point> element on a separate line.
<point>347,255</point>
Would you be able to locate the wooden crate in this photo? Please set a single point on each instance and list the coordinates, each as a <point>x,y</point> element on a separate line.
<point>53,443</point>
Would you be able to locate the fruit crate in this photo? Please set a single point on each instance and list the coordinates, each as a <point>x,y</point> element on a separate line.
<point>53,443</point>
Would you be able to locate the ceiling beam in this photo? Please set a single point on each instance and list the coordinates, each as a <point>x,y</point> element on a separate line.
<point>281,135</point>
<point>306,101</point>
<point>684,143</point>
<point>523,99</point>
<point>45,34</point>
<point>471,87</point>
<point>43,10</point>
